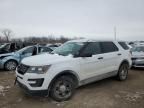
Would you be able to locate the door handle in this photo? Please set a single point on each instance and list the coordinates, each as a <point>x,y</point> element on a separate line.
<point>100,58</point>
<point>119,54</point>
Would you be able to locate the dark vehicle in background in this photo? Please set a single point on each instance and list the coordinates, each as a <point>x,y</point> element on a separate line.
<point>138,56</point>
<point>7,47</point>
<point>9,61</point>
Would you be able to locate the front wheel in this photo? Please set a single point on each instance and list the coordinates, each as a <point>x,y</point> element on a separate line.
<point>123,72</point>
<point>62,88</point>
<point>10,65</point>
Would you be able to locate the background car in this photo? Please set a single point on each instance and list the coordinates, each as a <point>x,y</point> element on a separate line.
<point>12,47</point>
<point>7,48</point>
<point>53,46</point>
<point>10,61</point>
<point>138,56</point>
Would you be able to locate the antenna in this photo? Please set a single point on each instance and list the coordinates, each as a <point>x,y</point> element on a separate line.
<point>115,33</point>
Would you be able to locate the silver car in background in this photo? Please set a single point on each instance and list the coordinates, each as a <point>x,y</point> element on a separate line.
<point>10,61</point>
<point>138,56</point>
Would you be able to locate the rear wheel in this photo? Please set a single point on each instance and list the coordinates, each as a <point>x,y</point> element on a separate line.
<point>123,72</point>
<point>62,88</point>
<point>10,65</point>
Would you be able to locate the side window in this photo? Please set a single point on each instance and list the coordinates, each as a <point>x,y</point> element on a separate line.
<point>124,45</point>
<point>44,49</point>
<point>29,51</point>
<point>92,48</point>
<point>108,47</point>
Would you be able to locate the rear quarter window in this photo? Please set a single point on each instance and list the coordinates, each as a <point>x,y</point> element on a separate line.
<point>108,47</point>
<point>124,45</point>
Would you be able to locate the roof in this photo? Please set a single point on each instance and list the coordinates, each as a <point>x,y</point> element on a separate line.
<point>91,40</point>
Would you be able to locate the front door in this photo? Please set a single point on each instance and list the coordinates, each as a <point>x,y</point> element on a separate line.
<point>91,66</point>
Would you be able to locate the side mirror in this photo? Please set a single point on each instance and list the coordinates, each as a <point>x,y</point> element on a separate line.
<point>86,55</point>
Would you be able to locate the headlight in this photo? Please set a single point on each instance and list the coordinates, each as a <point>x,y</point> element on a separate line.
<point>38,69</point>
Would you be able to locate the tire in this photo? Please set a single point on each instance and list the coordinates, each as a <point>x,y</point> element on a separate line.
<point>62,88</point>
<point>123,72</point>
<point>10,65</point>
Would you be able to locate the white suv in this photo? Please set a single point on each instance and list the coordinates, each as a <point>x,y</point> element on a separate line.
<point>73,64</point>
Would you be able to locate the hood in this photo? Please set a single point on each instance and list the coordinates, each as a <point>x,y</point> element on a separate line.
<point>137,54</point>
<point>44,59</point>
<point>7,54</point>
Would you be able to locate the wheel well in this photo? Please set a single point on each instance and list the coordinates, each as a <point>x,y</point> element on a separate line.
<point>66,73</point>
<point>11,60</point>
<point>124,61</point>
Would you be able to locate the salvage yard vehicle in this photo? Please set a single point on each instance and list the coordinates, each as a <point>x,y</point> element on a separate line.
<point>13,46</point>
<point>10,61</point>
<point>138,56</point>
<point>7,48</point>
<point>53,46</point>
<point>71,65</point>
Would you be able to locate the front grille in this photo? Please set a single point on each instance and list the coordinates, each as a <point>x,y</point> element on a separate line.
<point>22,69</point>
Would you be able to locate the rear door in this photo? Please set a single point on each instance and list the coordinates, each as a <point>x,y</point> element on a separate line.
<point>111,56</point>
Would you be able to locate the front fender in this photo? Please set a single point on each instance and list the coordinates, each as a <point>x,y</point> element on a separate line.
<point>4,60</point>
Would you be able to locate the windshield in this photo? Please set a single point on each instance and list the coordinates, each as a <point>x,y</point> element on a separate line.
<point>138,49</point>
<point>23,49</point>
<point>69,48</point>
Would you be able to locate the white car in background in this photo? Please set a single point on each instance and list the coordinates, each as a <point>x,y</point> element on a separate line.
<point>71,65</point>
<point>53,46</point>
<point>138,56</point>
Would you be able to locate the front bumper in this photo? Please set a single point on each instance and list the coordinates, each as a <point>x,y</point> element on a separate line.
<point>138,63</point>
<point>33,84</point>
<point>32,92</point>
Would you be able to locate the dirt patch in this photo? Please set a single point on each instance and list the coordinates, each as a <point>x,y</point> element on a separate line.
<point>108,93</point>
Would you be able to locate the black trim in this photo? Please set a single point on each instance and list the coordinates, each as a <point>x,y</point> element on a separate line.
<point>126,62</point>
<point>22,69</point>
<point>98,77</point>
<point>38,83</point>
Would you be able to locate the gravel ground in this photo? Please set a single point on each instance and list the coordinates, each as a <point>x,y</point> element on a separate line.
<point>108,93</point>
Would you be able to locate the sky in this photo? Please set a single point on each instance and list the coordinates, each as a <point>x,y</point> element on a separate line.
<point>74,18</point>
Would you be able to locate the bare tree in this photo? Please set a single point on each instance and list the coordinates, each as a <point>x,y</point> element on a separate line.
<point>7,33</point>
